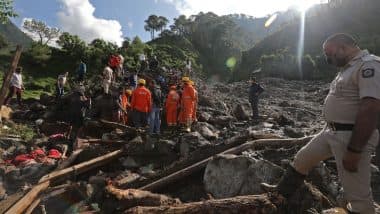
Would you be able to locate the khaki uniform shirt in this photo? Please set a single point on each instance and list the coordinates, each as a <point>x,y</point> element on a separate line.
<point>360,78</point>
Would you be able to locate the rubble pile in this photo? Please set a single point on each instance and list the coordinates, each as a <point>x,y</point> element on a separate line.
<point>105,167</point>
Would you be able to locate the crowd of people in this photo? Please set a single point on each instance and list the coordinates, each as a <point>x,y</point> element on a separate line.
<point>142,96</point>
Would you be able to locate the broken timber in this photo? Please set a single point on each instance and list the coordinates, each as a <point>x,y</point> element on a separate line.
<point>241,204</point>
<point>235,150</point>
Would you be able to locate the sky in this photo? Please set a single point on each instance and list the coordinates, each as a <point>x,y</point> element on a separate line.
<point>112,20</point>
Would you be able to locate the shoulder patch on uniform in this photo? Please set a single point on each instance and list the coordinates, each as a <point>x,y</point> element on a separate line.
<point>368,72</point>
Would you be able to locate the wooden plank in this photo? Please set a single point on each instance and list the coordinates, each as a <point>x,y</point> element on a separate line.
<point>82,167</point>
<point>29,198</point>
<point>235,150</point>
<point>8,76</point>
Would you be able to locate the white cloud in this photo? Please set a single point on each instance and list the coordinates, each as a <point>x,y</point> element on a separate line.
<point>77,17</point>
<point>257,8</point>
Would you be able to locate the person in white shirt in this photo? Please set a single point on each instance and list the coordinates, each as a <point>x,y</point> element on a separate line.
<point>16,87</point>
<point>107,79</point>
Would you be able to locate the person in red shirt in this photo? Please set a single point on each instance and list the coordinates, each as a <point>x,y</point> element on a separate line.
<point>141,104</point>
<point>171,106</point>
<point>187,104</point>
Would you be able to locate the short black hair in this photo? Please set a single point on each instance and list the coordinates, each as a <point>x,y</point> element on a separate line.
<point>342,39</point>
<point>19,69</point>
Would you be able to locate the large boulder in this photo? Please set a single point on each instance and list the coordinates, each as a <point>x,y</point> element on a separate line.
<point>231,175</point>
<point>240,112</point>
<point>46,99</point>
<point>190,142</point>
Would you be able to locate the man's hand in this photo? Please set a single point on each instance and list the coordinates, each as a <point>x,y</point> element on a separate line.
<point>351,161</point>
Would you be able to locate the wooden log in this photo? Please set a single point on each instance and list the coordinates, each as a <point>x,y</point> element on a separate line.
<point>8,76</point>
<point>29,198</point>
<point>242,204</point>
<point>235,150</point>
<point>129,198</point>
<point>67,162</point>
<point>126,128</point>
<point>82,167</point>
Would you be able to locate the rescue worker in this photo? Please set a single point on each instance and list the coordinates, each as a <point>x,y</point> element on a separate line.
<point>16,87</point>
<point>254,91</point>
<point>107,79</point>
<point>124,105</point>
<point>351,109</point>
<point>141,104</point>
<point>171,107</point>
<point>187,104</point>
<point>195,107</point>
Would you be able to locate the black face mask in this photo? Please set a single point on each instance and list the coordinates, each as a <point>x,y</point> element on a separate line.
<point>329,60</point>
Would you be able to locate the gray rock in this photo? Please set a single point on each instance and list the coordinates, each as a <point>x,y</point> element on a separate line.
<point>241,113</point>
<point>37,107</point>
<point>231,175</point>
<point>204,116</point>
<point>46,99</point>
<point>190,142</point>
<point>292,132</point>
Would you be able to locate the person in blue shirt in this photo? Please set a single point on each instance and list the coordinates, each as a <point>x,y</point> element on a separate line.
<point>254,92</point>
<point>81,71</point>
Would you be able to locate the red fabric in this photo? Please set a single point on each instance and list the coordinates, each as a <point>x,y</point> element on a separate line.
<point>114,61</point>
<point>53,153</point>
<point>37,152</point>
<point>21,158</point>
<point>171,106</point>
<point>187,104</point>
<point>141,99</point>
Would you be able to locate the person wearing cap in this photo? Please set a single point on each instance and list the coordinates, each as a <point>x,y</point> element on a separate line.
<point>187,104</point>
<point>350,136</point>
<point>171,106</point>
<point>195,107</point>
<point>141,104</point>
<point>16,87</point>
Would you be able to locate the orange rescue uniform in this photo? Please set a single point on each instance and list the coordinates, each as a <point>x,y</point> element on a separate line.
<point>141,100</point>
<point>195,106</point>
<point>125,105</point>
<point>187,104</point>
<point>171,106</point>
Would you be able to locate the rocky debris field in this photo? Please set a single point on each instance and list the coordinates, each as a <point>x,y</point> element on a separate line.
<point>217,168</point>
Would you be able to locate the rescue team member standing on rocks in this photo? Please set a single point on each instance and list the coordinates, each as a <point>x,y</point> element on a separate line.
<point>187,104</point>
<point>141,104</point>
<point>254,91</point>
<point>351,110</point>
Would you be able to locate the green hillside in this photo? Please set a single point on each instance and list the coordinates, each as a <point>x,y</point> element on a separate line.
<point>14,35</point>
<point>278,50</point>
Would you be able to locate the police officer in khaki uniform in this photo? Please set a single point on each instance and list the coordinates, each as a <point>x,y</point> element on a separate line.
<point>351,110</point>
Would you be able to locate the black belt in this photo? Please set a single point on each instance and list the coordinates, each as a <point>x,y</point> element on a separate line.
<point>340,127</point>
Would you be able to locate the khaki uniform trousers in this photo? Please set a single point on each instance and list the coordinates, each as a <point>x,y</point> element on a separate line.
<point>356,185</point>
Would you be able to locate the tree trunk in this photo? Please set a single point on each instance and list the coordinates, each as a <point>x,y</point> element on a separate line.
<point>8,76</point>
<point>242,204</point>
